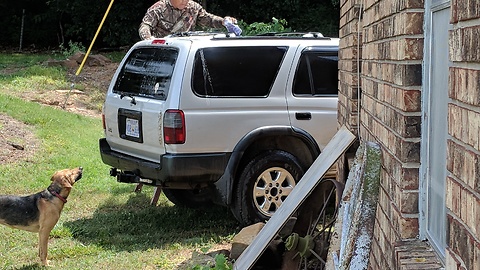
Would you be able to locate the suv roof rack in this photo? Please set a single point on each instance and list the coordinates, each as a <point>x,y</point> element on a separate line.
<point>194,33</point>
<point>223,35</point>
<point>294,34</point>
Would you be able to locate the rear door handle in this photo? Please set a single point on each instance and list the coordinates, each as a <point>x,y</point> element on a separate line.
<point>303,115</point>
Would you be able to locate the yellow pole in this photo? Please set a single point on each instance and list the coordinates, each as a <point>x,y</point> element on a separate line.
<point>94,38</point>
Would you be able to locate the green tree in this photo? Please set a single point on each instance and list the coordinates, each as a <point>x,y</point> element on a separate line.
<point>302,16</point>
<point>49,23</point>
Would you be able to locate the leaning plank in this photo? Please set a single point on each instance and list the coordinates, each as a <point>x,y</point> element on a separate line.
<point>351,242</point>
<point>334,149</point>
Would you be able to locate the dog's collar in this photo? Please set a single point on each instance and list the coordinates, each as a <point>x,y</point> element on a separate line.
<point>54,193</point>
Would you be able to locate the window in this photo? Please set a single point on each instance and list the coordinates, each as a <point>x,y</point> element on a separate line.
<point>147,72</point>
<point>435,101</point>
<point>317,74</point>
<point>236,71</point>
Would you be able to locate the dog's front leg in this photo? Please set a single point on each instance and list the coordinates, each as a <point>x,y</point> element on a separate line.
<point>43,235</point>
<point>43,246</point>
<point>49,215</point>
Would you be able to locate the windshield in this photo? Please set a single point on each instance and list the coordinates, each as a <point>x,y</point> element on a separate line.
<point>147,72</point>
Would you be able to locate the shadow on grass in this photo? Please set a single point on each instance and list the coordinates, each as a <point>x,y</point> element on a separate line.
<point>137,225</point>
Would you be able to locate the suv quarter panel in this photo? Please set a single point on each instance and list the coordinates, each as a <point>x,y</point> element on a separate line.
<point>296,142</point>
<point>316,114</point>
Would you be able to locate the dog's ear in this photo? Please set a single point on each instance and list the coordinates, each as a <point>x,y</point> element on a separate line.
<point>62,178</point>
<point>66,180</point>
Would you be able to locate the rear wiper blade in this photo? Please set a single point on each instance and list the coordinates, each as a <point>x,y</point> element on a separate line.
<point>130,96</point>
<point>159,94</point>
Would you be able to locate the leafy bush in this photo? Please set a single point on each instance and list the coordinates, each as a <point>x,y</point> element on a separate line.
<point>221,263</point>
<point>72,48</point>
<point>257,28</point>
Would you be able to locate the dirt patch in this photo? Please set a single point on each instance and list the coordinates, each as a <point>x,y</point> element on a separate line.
<point>78,98</point>
<point>17,141</point>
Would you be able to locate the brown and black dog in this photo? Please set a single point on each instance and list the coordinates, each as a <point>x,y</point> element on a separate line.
<point>39,212</point>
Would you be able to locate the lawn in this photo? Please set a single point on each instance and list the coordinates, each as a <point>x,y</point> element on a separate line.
<point>104,224</point>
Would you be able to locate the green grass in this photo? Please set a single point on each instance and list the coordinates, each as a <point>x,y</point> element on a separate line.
<point>35,78</point>
<point>104,225</point>
<point>116,56</point>
<point>17,60</point>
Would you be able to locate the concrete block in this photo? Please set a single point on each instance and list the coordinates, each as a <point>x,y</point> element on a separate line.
<point>244,238</point>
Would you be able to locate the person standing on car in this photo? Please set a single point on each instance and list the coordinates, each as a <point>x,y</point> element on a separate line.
<point>170,16</point>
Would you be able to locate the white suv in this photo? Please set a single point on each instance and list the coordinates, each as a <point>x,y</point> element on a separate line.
<point>230,120</point>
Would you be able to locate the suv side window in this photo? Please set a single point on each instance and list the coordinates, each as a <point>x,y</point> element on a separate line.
<point>236,71</point>
<point>317,74</point>
<point>147,72</point>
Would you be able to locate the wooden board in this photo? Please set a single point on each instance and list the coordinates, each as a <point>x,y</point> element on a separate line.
<point>334,149</point>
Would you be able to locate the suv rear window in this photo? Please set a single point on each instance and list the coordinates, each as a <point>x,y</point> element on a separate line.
<point>147,72</point>
<point>236,71</point>
<point>317,74</point>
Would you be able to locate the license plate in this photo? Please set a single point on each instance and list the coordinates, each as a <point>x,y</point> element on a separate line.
<point>132,128</point>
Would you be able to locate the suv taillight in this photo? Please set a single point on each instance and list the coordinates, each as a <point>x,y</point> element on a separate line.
<point>174,127</point>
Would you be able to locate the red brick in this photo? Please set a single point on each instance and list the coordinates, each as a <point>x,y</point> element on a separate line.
<point>462,81</point>
<point>465,44</point>
<point>453,201</point>
<point>465,10</point>
<point>451,261</point>
<point>461,242</point>
<point>409,202</point>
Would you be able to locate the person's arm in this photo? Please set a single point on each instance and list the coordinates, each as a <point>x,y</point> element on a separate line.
<point>209,20</point>
<point>144,31</point>
<point>148,22</point>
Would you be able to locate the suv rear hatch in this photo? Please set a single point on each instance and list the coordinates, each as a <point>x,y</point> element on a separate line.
<point>138,97</point>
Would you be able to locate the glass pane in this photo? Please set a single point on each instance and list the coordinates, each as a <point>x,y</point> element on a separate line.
<point>439,2</point>
<point>436,209</point>
<point>236,71</point>
<point>147,72</point>
<point>317,74</point>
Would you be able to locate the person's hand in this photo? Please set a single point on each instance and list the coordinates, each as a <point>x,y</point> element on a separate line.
<point>232,19</point>
<point>149,38</point>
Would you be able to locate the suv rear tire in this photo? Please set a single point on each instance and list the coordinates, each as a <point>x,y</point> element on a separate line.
<point>264,184</point>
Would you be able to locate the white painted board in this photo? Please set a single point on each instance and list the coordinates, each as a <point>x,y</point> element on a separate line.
<point>334,149</point>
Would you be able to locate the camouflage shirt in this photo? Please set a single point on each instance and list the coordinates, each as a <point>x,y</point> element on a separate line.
<point>162,19</point>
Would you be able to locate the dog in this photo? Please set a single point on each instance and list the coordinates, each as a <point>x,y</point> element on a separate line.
<point>40,212</point>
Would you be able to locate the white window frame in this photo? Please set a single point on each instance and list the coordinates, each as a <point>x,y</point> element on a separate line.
<point>430,7</point>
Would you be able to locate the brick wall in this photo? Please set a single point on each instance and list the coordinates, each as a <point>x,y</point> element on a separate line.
<point>463,163</point>
<point>388,40</point>
<point>381,51</point>
<point>350,50</point>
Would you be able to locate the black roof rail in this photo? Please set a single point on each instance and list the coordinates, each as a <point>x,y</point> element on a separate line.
<point>293,34</point>
<point>193,33</point>
<point>223,35</point>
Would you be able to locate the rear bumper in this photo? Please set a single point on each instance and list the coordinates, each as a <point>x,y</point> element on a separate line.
<point>181,168</point>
